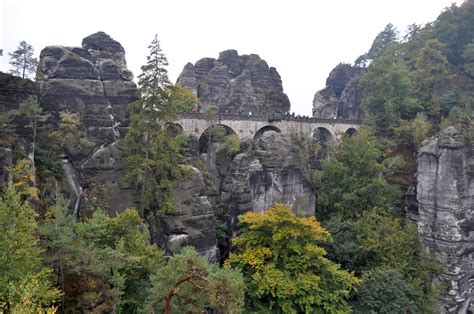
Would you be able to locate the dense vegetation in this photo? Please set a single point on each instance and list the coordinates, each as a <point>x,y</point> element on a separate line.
<point>359,253</point>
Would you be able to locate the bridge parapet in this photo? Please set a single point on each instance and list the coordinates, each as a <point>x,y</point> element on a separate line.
<point>242,117</point>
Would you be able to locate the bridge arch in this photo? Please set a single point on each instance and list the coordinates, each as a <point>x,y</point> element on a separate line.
<point>351,131</point>
<point>323,136</point>
<point>266,128</point>
<point>213,134</point>
<point>174,129</point>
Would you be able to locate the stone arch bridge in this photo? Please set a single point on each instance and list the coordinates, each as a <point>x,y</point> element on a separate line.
<point>250,126</point>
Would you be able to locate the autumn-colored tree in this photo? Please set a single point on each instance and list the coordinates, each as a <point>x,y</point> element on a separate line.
<point>284,266</point>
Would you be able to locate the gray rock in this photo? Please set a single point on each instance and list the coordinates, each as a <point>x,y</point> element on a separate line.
<point>238,84</point>
<point>192,223</point>
<point>271,174</point>
<point>445,194</point>
<point>341,98</point>
<point>94,82</point>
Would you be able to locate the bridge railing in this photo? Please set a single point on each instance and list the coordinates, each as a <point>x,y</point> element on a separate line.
<point>268,118</point>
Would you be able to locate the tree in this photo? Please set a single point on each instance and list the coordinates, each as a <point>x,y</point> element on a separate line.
<point>25,285</point>
<point>430,74</point>
<point>70,136</point>
<point>189,283</point>
<point>387,94</point>
<point>354,179</point>
<point>384,40</point>
<point>31,111</point>
<point>152,155</point>
<point>385,291</point>
<point>101,263</point>
<point>22,60</point>
<point>284,266</point>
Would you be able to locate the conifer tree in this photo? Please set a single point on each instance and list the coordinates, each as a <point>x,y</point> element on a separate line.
<point>22,60</point>
<point>152,155</point>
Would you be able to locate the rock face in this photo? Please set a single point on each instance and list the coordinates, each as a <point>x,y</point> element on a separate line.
<point>269,174</point>
<point>91,80</point>
<point>13,91</point>
<point>238,84</point>
<point>341,98</point>
<point>94,81</point>
<point>445,193</point>
<point>192,223</point>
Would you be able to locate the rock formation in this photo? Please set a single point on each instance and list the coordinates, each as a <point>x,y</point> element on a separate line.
<point>238,84</point>
<point>192,223</point>
<point>341,98</point>
<point>13,91</point>
<point>93,81</point>
<point>269,173</point>
<point>445,194</point>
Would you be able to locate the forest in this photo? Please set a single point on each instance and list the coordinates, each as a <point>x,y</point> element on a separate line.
<point>360,251</point>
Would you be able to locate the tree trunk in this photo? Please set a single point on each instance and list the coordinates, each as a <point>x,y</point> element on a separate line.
<point>167,305</point>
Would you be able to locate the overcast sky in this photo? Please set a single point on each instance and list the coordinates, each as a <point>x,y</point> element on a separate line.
<point>302,39</point>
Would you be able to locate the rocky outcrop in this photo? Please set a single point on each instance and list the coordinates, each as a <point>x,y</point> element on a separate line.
<point>341,98</point>
<point>193,221</point>
<point>238,84</point>
<point>94,82</point>
<point>270,173</point>
<point>445,194</point>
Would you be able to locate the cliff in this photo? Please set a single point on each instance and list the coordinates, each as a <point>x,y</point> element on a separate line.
<point>238,84</point>
<point>445,194</point>
<point>341,98</point>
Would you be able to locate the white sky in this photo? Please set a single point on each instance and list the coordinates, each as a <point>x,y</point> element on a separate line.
<point>302,39</point>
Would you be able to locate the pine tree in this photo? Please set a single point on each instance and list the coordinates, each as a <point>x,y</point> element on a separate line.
<point>22,60</point>
<point>152,155</point>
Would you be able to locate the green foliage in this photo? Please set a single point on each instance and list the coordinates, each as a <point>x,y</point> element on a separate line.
<point>70,136</point>
<point>354,179</point>
<point>385,291</point>
<point>388,94</point>
<point>285,267</point>
<point>25,286</point>
<point>194,286</point>
<point>413,132</point>
<point>232,144</point>
<point>22,61</point>
<point>152,155</point>
<point>101,263</point>
<point>384,40</point>
<point>468,57</point>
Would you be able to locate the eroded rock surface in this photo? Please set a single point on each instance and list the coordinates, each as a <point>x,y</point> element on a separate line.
<point>341,98</point>
<point>270,174</point>
<point>192,223</point>
<point>93,81</point>
<point>445,194</point>
<point>238,84</point>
